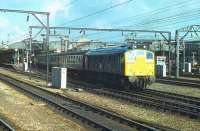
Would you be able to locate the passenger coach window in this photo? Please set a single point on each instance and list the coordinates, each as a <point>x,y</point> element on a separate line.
<point>149,55</point>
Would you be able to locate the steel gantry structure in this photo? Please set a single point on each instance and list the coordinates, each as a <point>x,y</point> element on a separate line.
<point>44,25</point>
<point>165,34</point>
<point>180,35</point>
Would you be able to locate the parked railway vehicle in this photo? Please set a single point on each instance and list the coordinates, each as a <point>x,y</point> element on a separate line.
<point>124,67</point>
<point>7,56</point>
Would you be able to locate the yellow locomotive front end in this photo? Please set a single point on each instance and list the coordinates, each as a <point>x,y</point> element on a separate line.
<point>140,67</point>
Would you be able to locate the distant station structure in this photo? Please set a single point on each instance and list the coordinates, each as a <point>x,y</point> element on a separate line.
<point>192,52</point>
<point>180,55</point>
<point>187,49</point>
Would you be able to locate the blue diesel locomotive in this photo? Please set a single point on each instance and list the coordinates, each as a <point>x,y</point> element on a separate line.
<point>123,67</point>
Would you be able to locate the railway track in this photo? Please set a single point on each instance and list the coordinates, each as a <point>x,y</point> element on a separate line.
<point>174,96</point>
<point>4,126</point>
<point>164,101</point>
<point>185,105</point>
<point>147,92</point>
<point>179,82</point>
<point>98,118</point>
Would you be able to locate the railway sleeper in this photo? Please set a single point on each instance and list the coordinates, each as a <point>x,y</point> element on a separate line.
<point>164,95</point>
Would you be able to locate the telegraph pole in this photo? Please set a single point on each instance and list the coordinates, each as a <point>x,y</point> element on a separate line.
<point>169,56</point>
<point>47,48</point>
<point>177,54</point>
<point>30,52</point>
<point>183,56</point>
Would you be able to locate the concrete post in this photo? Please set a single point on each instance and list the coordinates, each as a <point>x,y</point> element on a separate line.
<point>169,56</point>
<point>30,50</point>
<point>47,49</point>
<point>177,54</point>
<point>183,56</point>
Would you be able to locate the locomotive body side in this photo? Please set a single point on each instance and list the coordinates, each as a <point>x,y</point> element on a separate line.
<point>122,66</point>
<point>105,61</point>
<point>117,66</point>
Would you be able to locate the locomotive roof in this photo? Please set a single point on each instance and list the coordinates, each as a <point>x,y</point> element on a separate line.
<point>101,51</point>
<point>63,53</point>
<point>75,52</point>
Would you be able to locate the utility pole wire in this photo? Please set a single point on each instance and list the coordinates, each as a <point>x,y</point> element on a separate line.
<point>154,13</point>
<point>177,5</point>
<point>99,11</point>
<point>167,19</point>
<point>72,2</point>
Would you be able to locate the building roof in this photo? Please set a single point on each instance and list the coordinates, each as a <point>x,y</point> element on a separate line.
<point>17,45</point>
<point>82,42</point>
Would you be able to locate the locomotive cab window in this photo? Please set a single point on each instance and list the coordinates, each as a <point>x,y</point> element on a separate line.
<point>149,56</point>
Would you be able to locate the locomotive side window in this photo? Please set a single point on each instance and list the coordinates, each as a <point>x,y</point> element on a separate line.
<point>131,56</point>
<point>75,59</point>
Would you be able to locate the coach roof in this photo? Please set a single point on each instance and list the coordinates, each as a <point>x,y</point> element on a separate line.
<point>102,51</point>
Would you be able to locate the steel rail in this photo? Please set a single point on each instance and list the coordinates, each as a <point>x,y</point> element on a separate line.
<point>174,96</point>
<point>4,126</point>
<point>143,100</point>
<point>180,82</point>
<point>162,104</point>
<point>94,116</point>
<point>182,79</point>
<point>180,97</point>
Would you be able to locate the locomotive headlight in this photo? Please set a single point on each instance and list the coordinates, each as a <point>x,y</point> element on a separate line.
<point>132,79</point>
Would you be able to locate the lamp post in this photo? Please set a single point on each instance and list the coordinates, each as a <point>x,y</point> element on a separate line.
<point>17,56</point>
